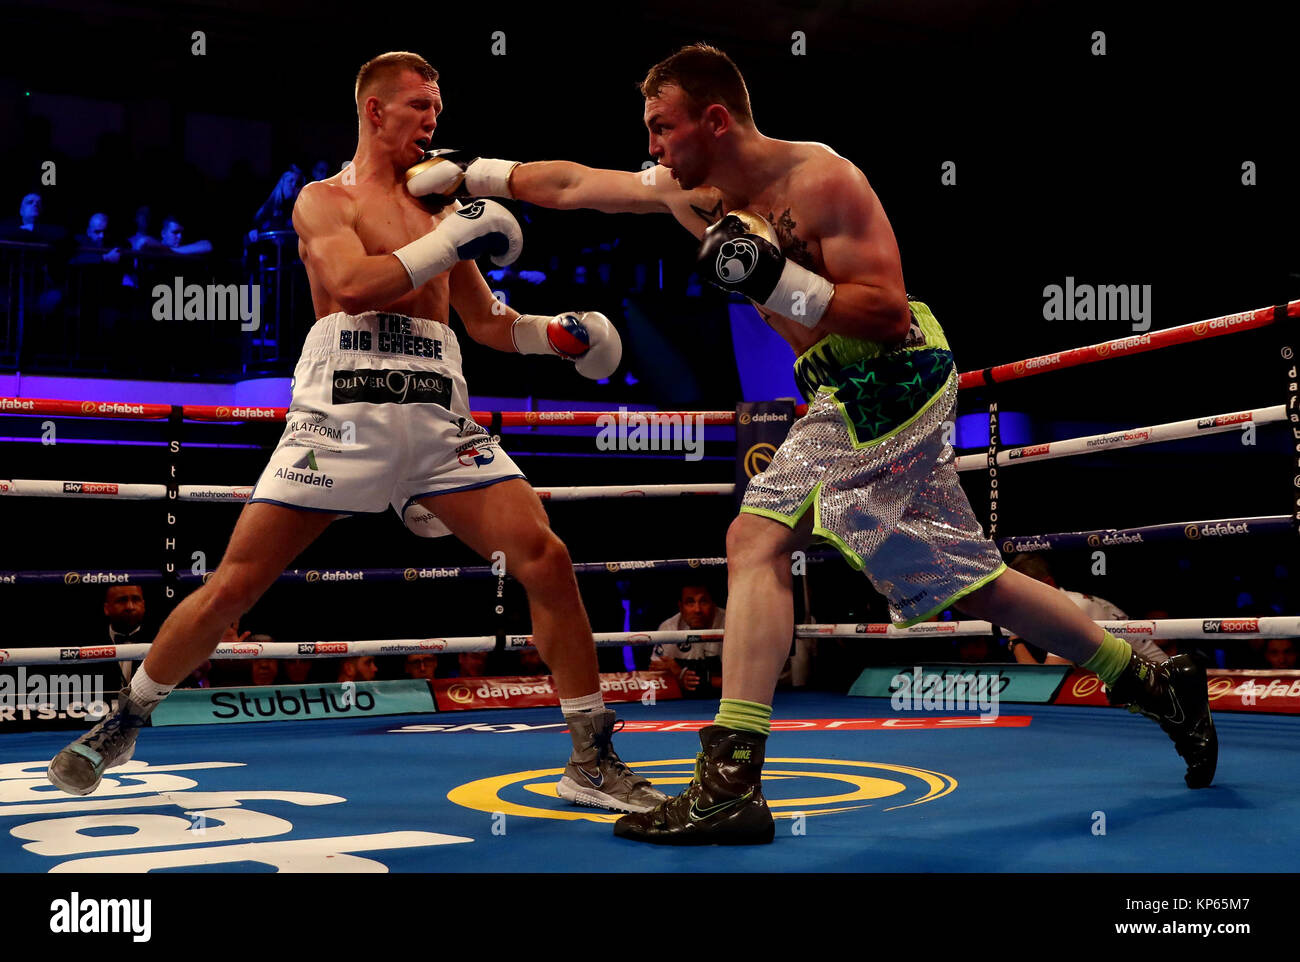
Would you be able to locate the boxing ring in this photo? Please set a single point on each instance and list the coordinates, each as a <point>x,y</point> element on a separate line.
<point>856,784</point>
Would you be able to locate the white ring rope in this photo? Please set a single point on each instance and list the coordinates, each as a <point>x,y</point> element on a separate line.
<point>1180,629</point>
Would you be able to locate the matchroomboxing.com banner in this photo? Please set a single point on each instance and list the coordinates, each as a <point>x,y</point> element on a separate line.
<point>534,691</point>
<point>226,706</point>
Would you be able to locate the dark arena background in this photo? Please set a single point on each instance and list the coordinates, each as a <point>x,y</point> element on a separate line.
<point>1028,155</point>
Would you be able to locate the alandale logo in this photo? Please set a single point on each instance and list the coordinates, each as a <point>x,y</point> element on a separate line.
<point>305,471</point>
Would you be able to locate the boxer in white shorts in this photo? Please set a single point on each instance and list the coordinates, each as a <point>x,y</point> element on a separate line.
<point>380,416</point>
<point>371,425</point>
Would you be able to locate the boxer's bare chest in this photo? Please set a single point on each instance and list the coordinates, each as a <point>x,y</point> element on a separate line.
<point>386,221</point>
<point>782,210</point>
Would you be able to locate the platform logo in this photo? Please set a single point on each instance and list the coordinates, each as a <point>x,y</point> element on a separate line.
<point>792,787</point>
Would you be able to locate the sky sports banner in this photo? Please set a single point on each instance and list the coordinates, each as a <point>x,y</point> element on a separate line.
<point>227,706</point>
<point>533,691</point>
<point>1266,691</point>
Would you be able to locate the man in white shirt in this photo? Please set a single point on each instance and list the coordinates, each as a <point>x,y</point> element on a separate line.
<point>1097,609</point>
<point>697,665</point>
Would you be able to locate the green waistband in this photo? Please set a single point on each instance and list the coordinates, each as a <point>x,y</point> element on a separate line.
<point>821,365</point>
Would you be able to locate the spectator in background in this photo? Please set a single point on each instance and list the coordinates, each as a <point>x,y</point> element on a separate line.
<point>264,671</point>
<point>697,666</point>
<point>96,237</point>
<point>124,608</point>
<point>28,227</point>
<point>421,666</point>
<point>142,239</point>
<point>471,664</point>
<point>530,663</point>
<point>1172,646</point>
<point>978,650</point>
<point>1245,653</point>
<point>173,234</point>
<point>1280,654</point>
<point>1098,609</point>
<point>277,212</point>
<point>361,668</point>
<point>320,170</point>
<point>296,670</point>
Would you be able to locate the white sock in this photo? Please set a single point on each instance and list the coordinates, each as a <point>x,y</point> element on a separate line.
<point>146,692</point>
<point>587,703</point>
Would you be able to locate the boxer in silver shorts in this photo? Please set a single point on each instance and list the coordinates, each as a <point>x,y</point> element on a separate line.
<point>798,230</point>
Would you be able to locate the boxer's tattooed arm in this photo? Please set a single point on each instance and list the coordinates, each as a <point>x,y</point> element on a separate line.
<point>709,216</point>
<point>791,246</point>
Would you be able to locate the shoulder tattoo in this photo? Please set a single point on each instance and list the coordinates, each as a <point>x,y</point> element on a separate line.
<point>791,246</point>
<point>709,216</point>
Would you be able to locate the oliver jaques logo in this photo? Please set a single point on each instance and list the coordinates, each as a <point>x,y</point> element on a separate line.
<point>158,819</point>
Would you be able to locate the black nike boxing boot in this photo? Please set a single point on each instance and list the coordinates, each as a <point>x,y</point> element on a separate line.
<point>1176,696</point>
<point>724,803</point>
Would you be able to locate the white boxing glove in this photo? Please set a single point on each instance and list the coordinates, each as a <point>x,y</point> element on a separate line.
<point>588,339</point>
<point>446,174</point>
<point>483,227</point>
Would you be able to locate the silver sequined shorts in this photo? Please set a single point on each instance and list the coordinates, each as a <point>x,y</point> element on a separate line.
<point>893,507</point>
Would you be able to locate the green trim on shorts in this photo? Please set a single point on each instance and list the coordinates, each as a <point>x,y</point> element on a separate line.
<point>848,350</point>
<point>853,434</point>
<point>1001,569</point>
<point>789,520</point>
<point>852,557</point>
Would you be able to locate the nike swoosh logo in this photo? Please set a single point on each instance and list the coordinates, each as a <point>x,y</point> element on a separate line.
<point>597,781</point>
<point>698,814</point>
<point>1177,707</point>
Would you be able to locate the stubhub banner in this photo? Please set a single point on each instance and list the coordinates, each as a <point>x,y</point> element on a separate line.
<point>1035,684</point>
<point>218,706</point>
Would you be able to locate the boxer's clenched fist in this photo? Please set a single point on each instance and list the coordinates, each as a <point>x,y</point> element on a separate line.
<point>588,339</point>
<point>447,174</point>
<point>483,227</point>
<point>739,253</point>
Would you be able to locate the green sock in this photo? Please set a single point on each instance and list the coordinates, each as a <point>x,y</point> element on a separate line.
<point>744,716</point>
<point>1111,659</point>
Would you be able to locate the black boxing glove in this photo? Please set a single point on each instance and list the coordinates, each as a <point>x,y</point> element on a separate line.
<point>739,253</point>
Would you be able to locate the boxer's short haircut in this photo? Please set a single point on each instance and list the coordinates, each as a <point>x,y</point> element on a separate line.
<point>388,65</point>
<point>706,76</point>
